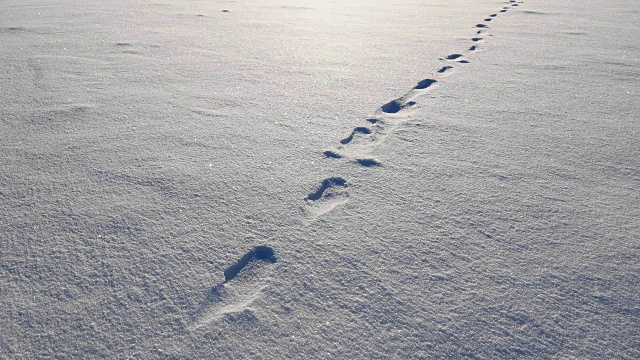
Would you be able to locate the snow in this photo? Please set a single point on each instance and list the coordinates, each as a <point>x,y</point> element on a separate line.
<point>420,205</point>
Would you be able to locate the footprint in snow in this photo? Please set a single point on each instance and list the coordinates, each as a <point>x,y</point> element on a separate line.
<point>357,131</point>
<point>331,193</point>
<point>444,69</point>
<point>425,84</point>
<point>233,301</point>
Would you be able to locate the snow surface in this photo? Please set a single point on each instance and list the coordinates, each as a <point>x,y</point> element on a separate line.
<point>436,182</point>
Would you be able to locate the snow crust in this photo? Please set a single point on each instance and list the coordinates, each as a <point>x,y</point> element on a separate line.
<point>437,179</point>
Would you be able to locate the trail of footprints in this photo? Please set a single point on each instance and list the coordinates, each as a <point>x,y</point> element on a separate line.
<point>233,302</point>
<point>358,145</point>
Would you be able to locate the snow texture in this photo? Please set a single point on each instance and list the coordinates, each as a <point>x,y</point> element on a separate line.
<point>269,179</point>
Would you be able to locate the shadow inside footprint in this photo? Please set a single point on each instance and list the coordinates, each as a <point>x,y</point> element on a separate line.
<point>425,84</point>
<point>444,69</point>
<point>453,56</point>
<point>332,155</point>
<point>327,184</point>
<point>391,107</point>
<point>368,162</point>
<point>361,130</point>
<point>261,252</point>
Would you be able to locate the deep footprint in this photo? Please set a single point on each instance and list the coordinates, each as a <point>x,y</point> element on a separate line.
<point>326,185</point>
<point>262,252</point>
<point>453,56</point>
<point>425,84</point>
<point>332,155</point>
<point>445,69</point>
<point>395,106</point>
<point>358,130</point>
<point>368,162</point>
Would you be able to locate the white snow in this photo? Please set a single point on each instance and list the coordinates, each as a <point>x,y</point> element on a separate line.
<point>146,145</point>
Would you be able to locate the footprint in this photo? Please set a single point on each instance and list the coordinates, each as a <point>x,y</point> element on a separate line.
<point>482,25</point>
<point>368,162</point>
<point>356,131</point>
<point>262,252</point>
<point>453,56</point>
<point>425,84</point>
<point>395,106</point>
<point>228,301</point>
<point>503,11</point>
<point>473,48</point>
<point>488,19</point>
<point>332,155</point>
<point>225,300</point>
<point>331,193</point>
<point>476,39</point>
<point>493,15</point>
<point>327,184</point>
<point>445,69</point>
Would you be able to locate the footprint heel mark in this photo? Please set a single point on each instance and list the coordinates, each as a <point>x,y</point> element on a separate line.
<point>368,162</point>
<point>331,193</point>
<point>424,84</point>
<point>262,252</point>
<point>356,131</point>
